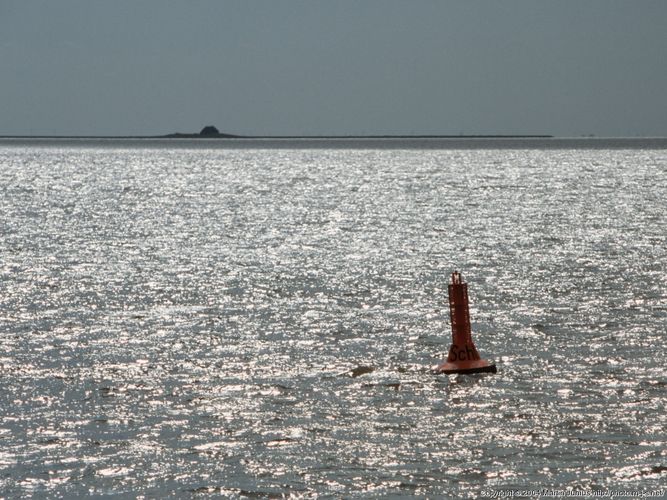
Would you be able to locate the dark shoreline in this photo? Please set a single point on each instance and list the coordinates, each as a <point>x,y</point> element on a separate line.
<point>424,142</point>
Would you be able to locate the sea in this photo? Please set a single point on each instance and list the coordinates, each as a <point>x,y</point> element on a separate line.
<point>260,318</point>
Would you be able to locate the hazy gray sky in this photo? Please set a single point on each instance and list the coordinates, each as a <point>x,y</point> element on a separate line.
<point>112,67</point>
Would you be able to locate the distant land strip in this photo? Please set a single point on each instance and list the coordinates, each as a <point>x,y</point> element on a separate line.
<point>497,141</point>
<point>388,136</point>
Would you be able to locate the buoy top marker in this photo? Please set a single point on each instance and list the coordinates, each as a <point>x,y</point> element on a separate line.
<point>463,356</point>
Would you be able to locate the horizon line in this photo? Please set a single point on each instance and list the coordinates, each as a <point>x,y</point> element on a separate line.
<point>222,136</point>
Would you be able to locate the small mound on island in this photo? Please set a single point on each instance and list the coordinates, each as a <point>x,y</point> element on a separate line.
<point>209,130</point>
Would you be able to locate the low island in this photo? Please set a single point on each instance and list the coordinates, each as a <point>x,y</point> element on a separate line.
<point>211,132</point>
<point>208,132</point>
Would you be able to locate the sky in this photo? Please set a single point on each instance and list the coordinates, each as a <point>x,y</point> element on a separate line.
<point>334,67</point>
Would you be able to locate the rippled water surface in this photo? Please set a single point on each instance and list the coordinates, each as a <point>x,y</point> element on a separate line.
<point>185,321</point>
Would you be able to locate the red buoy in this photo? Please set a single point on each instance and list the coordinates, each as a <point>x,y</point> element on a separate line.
<point>463,355</point>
